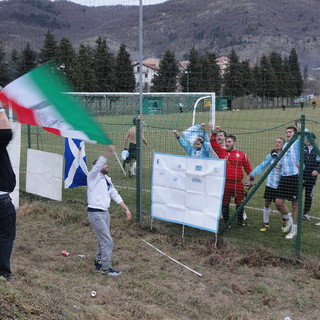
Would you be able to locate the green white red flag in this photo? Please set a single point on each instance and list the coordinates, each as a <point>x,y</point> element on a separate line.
<point>38,98</point>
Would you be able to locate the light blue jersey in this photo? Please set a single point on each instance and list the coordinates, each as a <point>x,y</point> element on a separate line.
<point>290,160</point>
<point>204,152</point>
<point>275,174</point>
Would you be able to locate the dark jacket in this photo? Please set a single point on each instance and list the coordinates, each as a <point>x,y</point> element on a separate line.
<point>7,176</point>
<point>310,162</point>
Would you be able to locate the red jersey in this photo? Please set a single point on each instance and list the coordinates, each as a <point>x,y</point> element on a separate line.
<point>235,160</point>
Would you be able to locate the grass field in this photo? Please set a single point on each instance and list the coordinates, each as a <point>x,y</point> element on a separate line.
<point>237,283</point>
<point>256,130</point>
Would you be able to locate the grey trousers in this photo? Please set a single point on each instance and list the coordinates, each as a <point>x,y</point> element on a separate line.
<point>100,222</point>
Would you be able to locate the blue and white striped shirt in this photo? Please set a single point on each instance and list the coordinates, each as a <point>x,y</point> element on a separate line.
<point>275,174</point>
<point>290,160</point>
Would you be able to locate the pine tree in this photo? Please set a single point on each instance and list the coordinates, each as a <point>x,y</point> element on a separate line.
<point>233,77</point>
<point>4,72</point>
<point>13,64</point>
<point>27,60</point>
<point>286,79</point>
<point>104,65</point>
<point>124,75</point>
<point>190,78</point>
<point>210,76</point>
<point>68,63</point>
<point>85,60</point>
<point>247,78</point>
<point>49,49</point>
<point>166,78</point>
<point>214,74</point>
<point>297,80</point>
<point>256,87</point>
<point>276,63</point>
<point>267,79</point>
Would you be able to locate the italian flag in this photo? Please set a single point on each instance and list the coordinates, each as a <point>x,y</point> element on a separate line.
<point>39,98</point>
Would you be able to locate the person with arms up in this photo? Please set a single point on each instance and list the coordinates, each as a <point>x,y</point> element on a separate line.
<point>7,209</point>
<point>100,192</point>
<point>201,147</point>
<point>236,161</point>
<point>131,137</point>
<point>288,184</point>
<point>310,175</point>
<point>273,179</point>
<point>221,138</point>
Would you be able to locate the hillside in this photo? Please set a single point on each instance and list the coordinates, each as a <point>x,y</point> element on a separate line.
<point>235,284</point>
<point>251,27</point>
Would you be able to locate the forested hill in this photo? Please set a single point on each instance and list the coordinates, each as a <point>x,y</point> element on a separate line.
<point>251,27</point>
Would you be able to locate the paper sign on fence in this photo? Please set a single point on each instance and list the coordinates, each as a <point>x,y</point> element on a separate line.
<point>187,190</point>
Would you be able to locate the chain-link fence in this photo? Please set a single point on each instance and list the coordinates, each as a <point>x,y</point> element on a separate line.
<point>256,129</point>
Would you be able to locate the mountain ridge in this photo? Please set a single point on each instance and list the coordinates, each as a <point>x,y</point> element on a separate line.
<point>250,27</point>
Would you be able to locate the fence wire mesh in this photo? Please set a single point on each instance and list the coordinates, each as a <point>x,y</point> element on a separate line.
<point>256,129</point>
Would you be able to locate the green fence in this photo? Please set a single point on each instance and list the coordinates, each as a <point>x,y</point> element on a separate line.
<point>255,128</point>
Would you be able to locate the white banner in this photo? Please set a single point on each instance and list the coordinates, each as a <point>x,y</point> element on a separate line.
<point>44,174</point>
<point>188,190</point>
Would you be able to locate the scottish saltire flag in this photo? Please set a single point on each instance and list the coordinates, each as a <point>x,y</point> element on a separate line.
<point>76,171</point>
<point>38,98</point>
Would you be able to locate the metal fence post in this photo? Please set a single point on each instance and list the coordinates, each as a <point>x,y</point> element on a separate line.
<point>139,171</point>
<point>300,188</point>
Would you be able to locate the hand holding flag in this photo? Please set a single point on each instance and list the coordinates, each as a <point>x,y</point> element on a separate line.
<point>39,98</point>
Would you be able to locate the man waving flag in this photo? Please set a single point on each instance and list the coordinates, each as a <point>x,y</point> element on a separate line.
<point>39,98</point>
<point>75,171</point>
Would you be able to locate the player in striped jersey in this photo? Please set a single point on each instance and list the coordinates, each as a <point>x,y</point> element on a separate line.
<point>288,185</point>
<point>272,180</point>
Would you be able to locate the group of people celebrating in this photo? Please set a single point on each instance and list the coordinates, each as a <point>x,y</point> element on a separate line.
<point>282,182</point>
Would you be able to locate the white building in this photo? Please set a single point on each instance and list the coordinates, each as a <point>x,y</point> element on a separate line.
<point>149,68</point>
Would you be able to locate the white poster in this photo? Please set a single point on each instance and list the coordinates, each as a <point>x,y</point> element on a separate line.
<point>44,174</point>
<point>14,148</point>
<point>187,190</point>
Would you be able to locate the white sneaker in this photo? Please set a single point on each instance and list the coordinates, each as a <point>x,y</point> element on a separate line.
<point>286,228</point>
<point>291,235</point>
<point>245,217</point>
<point>318,224</point>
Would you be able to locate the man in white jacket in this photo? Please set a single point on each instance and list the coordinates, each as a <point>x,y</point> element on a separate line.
<point>99,194</point>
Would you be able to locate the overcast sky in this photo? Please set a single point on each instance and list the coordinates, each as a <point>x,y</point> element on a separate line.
<point>115,2</point>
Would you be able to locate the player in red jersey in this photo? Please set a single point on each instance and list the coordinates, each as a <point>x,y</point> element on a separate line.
<point>236,161</point>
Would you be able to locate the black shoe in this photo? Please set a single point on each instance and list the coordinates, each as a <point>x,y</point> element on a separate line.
<point>306,217</point>
<point>110,272</point>
<point>6,277</point>
<point>97,265</point>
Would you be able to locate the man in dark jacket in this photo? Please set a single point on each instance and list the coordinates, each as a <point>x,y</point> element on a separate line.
<point>7,209</point>
<point>310,174</point>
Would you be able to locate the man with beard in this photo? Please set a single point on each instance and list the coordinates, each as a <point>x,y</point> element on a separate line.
<point>236,161</point>
<point>99,194</point>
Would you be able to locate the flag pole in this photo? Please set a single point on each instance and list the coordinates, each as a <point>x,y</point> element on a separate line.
<point>124,172</point>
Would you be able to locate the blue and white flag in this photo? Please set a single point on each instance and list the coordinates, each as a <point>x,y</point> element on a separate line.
<point>191,134</point>
<point>75,171</point>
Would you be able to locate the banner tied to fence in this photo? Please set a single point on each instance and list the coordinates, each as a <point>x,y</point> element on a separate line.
<point>187,190</point>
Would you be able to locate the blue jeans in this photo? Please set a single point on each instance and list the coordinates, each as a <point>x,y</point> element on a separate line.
<point>7,233</point>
